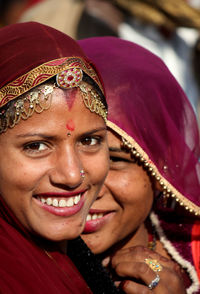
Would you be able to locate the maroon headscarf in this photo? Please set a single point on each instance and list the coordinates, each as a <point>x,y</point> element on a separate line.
<point>31,53</point>
<point>147,108</point>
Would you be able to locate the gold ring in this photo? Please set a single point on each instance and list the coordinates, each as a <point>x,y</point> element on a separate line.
<point>153,264</point>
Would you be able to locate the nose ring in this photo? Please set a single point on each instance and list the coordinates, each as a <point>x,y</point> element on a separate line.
<point>82,173</point>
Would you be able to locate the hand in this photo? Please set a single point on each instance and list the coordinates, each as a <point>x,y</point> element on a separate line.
<point>129,265</point>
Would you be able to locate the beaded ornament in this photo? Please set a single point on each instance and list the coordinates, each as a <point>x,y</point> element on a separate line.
<point>40,99</point>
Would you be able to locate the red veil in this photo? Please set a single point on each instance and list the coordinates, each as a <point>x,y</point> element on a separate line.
<point>148,108</point>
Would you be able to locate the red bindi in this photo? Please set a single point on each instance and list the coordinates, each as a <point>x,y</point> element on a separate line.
<point>70,125</point>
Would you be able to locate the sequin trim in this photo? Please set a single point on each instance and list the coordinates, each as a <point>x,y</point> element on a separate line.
<point>41,74</point>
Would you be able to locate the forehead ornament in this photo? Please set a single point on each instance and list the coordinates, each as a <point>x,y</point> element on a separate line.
<point>39,99</point>
<point>73,77</point>
<point>69,78</point>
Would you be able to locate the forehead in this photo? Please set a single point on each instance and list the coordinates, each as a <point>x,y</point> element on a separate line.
<point>65,106</point>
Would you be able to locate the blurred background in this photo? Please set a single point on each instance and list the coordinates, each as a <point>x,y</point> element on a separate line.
<point>169,28</point>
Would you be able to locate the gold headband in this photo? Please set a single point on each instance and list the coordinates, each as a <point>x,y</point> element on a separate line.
<point>40,99</point>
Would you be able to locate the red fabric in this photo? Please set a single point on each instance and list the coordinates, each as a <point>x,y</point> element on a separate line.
<point>148,105</point>
<point>26,268</point>
<point>196,246</point>
<point>25,46</point>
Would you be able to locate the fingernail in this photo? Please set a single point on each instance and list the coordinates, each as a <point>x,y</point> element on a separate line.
<point>106,261</point>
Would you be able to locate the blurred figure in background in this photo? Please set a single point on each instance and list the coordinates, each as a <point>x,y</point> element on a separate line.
<point>63,15</point>
<point>11,10</point>
<point>167,28</point>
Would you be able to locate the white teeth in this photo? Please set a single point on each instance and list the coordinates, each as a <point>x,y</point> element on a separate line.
<point>68,202</point>
<point>62,203</point>
<point>94,216</point>
<point>55,202</point>
<point>89,217</point>
<point>49,201</point>
<point>77,199</point>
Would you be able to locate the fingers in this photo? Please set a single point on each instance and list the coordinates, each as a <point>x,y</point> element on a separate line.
<point>129,264</point>
<point>131,287</point>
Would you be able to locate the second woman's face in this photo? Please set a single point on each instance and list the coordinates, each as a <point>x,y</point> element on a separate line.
<point>40,166</point>
<point>123,203</point>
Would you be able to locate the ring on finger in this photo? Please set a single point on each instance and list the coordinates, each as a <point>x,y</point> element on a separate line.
<point>154,282</point>
<point>153,264</point>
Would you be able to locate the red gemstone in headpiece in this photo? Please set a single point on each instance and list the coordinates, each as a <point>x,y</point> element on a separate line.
<point>69,78</point>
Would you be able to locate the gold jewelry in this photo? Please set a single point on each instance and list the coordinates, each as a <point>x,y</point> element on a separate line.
<point>92,101</point>
<point>73,77</point>
<point>153,264</point>
<point>35,101</point>
<point>40,99</point>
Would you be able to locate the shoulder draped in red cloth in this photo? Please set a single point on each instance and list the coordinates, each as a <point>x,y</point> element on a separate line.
<point>196,246</point>
<point>26,268</point>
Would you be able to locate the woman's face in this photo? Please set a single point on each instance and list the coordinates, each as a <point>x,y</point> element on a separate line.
<point>123,203</point>
<point>40,163</point>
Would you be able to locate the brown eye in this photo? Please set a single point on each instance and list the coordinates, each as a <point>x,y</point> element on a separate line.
<point>36,146</point>
<point>90,141</point>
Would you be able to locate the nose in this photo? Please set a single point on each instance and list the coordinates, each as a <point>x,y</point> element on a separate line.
<point>67,170</point>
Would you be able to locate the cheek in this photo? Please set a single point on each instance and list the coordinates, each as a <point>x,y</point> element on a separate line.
<point>22,179</point>
<point>97,166</point>
<point>133,189</point>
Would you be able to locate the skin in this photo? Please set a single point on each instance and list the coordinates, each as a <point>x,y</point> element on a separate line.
<point>121,235</point>
<point>125,203</point>
<point>38,158</point>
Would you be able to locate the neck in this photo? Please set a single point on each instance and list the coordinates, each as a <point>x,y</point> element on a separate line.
<point>138,237</point>
<point>63,246</point>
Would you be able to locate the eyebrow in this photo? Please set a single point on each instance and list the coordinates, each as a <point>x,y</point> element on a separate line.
<point>94,131</point>
<point>28,135</point>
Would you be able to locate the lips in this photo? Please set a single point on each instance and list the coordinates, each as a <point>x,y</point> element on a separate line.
<point>97,220</point>
<point>61,204</point>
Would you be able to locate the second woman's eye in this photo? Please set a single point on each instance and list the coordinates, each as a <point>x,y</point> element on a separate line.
<point>120,162</point>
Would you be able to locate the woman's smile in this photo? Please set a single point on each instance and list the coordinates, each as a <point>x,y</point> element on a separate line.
<point>54,199</point>
<point>62,204</point>
<point>97,219</point>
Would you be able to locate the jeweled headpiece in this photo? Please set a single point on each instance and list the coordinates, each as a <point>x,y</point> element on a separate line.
<point>56,54</point>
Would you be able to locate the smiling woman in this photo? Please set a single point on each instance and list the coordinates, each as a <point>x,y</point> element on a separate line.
<point>49,154</point>
<point>142,221</point>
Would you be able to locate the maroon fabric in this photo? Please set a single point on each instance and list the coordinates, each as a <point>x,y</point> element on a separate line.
<point>147,103</point>
<point>26,268</point>
<point>25,46</point>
